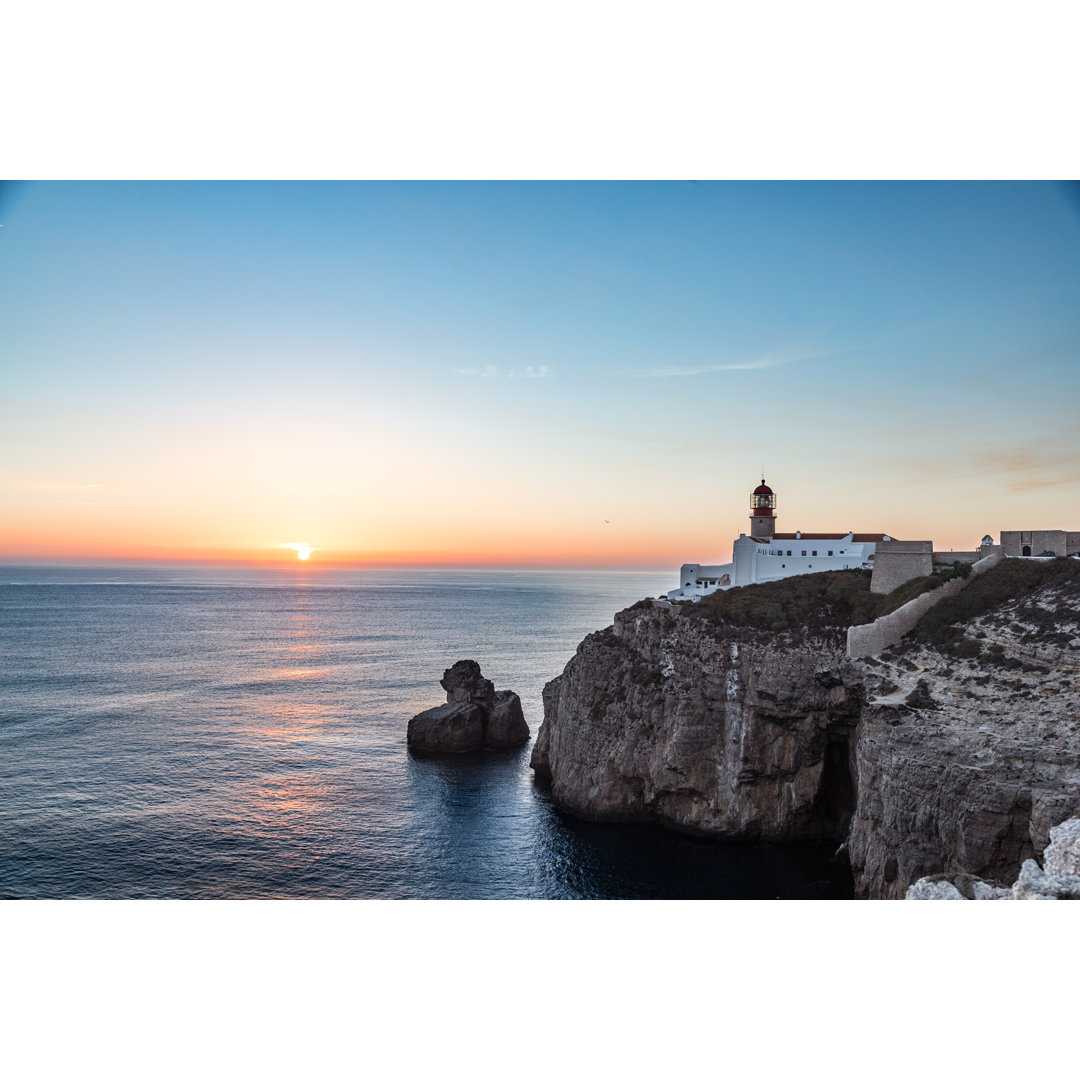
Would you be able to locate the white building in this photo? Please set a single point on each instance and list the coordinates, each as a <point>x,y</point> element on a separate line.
<point>766,555</point>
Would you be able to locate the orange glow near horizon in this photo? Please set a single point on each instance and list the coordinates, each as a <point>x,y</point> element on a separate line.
<point>696,546</point>
<point>625,528</point>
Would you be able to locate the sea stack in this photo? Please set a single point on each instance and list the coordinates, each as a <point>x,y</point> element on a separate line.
<point>475,716</point>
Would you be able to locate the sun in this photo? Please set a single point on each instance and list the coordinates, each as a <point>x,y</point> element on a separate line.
<point>303,551</point>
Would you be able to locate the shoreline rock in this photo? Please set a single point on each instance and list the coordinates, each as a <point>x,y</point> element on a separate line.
<point>1057,879</point>
<point>476,716</point>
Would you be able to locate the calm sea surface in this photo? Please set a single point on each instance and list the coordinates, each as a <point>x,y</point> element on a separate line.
<point>202,733</point>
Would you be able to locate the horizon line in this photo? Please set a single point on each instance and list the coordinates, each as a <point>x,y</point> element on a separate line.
<point>74,561</point>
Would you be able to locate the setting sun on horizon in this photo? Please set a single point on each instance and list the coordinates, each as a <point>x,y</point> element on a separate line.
<point>303,551</point>
<point>545,375</point>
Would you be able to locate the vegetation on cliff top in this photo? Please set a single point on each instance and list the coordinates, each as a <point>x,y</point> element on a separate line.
<point>1012,579</point>
<point>830,601</point>
<point>807,602</point>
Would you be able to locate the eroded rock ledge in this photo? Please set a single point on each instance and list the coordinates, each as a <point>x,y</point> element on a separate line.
<point>1058,879</point>
<point>475,716</point>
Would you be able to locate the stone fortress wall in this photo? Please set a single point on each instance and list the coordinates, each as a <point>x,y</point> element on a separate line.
<point>898,561</point>
<point>947,558</point>
<point>1057,541</point>
<point>872,638</point>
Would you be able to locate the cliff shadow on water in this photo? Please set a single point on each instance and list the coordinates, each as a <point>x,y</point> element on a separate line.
<point>490,833</point>
<point>605,860</point>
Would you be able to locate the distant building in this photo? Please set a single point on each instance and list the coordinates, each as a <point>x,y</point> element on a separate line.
<point>766,555</point>
<point>1039,543</point>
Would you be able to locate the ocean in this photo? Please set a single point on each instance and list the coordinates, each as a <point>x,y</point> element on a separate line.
<point>204,733</point>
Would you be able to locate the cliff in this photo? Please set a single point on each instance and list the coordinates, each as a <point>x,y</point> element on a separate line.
<point>733,732</point>
<point>744,719</point>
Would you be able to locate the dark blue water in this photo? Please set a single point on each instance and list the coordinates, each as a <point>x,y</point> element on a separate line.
<point>241,733</point>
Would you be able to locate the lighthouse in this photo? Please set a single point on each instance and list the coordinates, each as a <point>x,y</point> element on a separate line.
<point>763,512</point>
<point>768,555</point>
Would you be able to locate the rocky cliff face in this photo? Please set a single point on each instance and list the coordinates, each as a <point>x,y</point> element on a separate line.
<point>742,734</point>
<point>956,755</point>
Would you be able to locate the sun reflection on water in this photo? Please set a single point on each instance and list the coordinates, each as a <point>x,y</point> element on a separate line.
<point>286,801</point>
<point>294,674</point>
<point>285,722</point>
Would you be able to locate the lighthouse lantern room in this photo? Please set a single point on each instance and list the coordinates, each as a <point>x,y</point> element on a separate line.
<point>763,511</point>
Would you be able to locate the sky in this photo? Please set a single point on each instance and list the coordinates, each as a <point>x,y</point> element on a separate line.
<point>514,374</point>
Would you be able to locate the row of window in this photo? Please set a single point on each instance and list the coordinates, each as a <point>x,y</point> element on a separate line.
<point>813,553</point>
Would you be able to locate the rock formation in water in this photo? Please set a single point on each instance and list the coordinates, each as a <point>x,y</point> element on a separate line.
<point>954,754</point>
<point>475,716</point>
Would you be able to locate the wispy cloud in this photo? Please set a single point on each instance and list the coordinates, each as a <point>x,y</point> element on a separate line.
<point>494,371</point>
<point>1025,468</point>
<point>59,487</point>
<point>1014,469</point>
<point>754,363</point>
<point>58,491</point>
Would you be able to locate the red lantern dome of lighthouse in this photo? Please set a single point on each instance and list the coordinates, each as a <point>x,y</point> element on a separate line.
<point>763,501</point>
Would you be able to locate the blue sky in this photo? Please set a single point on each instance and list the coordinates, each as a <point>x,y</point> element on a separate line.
<point>206,368</point>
